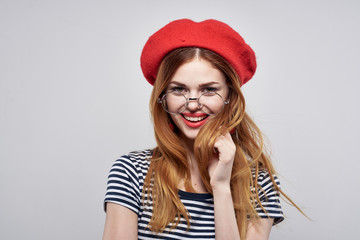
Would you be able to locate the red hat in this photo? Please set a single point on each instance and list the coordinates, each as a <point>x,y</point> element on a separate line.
<point>209,34</point>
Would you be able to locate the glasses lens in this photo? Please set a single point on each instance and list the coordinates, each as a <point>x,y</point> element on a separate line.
<point>211,103</point>
<point>174,102</point>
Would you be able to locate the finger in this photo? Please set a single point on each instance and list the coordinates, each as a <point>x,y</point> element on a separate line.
<point>223,140</point>
<point>228,136</point>
<point>215,150</point>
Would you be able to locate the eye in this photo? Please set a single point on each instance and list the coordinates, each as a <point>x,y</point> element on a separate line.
<point>209,90</point>
<point>177,89</point>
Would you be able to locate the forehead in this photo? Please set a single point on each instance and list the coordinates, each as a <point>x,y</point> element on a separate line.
<point>198,72</point>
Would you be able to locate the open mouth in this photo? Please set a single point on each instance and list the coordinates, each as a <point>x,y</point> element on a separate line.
<point>194,120</point>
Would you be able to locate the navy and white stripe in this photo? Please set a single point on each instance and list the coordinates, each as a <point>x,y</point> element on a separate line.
<point>269,198</point>
<point>125,184</point>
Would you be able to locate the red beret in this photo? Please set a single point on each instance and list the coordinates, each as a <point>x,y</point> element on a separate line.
<point>209,34</point>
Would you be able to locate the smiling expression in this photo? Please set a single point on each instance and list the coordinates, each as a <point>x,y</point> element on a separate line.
<point>193,79</point>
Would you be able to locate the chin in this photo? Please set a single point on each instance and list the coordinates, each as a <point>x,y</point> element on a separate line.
<point>190,136</point>
<point>189,124</point>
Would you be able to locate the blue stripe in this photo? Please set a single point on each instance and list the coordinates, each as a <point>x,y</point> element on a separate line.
<point>127,178</point>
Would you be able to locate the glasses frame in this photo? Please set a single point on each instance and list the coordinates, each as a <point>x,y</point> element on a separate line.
<point>161,100</point>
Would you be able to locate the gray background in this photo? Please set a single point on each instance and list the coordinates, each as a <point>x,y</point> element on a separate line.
<point>73,99</point>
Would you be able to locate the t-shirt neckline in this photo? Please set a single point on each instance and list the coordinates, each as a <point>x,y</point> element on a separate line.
<point>195,196</point>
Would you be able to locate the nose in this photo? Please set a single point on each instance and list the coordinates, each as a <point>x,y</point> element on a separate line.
<point>193,104</point>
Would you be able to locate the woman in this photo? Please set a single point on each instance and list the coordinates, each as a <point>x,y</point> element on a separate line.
<point>209,176</point>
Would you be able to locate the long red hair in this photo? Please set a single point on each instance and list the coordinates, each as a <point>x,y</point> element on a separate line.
<point>169,164</point>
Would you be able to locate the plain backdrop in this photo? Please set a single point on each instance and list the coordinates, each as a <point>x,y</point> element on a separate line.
<point>73,99</point>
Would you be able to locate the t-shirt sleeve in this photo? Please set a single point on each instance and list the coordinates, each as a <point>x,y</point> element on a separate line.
<point>123,184</point>
<point>269,198</point>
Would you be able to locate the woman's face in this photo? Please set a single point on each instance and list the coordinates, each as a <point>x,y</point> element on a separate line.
<point>192,80</point>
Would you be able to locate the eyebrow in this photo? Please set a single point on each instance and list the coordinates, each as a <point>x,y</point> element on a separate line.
<point>209,84</point>
<point>201,85</point>
<point>177,83</point>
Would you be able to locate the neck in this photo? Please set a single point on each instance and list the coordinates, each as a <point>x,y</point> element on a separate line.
<point>189,147</point>
<point>195,175</point>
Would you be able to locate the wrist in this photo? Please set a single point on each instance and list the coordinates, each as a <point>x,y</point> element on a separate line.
<point>221,189</point>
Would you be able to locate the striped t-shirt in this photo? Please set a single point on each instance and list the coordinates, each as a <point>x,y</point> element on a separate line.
<point>125,184</point>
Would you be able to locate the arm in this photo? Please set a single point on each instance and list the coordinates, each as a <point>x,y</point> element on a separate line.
<point>259,229</point>
<point>122,201</point>
<point>121,223</point>
<point>224,214</point>
<point>225,221</point>
<point>220,168</point>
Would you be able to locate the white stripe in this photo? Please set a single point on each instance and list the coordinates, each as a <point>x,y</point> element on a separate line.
<point>137,163</point>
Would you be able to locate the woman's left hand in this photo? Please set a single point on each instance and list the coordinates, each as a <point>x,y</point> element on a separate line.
<point>220,166</point>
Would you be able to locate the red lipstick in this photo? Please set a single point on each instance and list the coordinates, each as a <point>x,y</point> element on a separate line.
<point>194,124</point>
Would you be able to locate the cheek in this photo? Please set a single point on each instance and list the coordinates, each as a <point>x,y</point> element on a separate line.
<point>176,119</point>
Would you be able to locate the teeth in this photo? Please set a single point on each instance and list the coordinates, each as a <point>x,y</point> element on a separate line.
<point>194,119</point>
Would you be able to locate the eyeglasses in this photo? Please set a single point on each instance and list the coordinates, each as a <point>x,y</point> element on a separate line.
<point>210,102</point>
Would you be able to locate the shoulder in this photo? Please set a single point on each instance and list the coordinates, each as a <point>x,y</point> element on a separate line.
<point>268,186</point>
<point>264,178</point>
<point>126,178</point>
<point>134,162</point>
<point>136,157</point>
<point>131,168</point>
